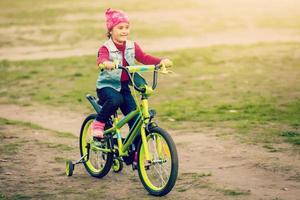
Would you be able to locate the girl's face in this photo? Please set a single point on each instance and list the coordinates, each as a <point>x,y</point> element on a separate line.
<point>120,32</point>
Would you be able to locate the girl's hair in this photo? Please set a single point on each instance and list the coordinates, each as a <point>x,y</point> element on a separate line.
<point>108,34</point>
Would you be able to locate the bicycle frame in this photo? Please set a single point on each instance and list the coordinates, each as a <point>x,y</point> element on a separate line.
<point>143,118</point>
<point>155,158</point>
<point>138,127</point>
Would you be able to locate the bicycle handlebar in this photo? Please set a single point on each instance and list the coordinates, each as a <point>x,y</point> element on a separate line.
<point>133,69</point>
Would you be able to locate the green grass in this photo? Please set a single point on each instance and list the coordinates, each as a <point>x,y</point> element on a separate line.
<point>65,135</point>
<point>271,148</point>
<point>58,146</point>
<point>4,121</point>
<point>253,89</point>
<point>14,197</point>
<point>10,148</point>
<point>234,192</point>
<point>192,180</point>
<point>291,136</point>
<point>60,160</point>
<point>195,175</point>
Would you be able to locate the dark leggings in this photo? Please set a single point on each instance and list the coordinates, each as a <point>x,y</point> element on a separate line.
<point>111,100</point>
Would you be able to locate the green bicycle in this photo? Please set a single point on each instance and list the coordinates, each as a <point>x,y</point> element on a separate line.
<point>157,161</point>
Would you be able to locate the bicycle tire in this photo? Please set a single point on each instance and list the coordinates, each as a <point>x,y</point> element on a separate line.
<point>107,158</point>
<point>169,149</point>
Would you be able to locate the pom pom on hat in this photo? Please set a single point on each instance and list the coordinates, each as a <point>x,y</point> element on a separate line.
<point>114,17</point>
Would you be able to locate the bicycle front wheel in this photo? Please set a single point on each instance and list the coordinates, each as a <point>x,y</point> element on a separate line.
<point>97,163</point>
<point>159,175</point>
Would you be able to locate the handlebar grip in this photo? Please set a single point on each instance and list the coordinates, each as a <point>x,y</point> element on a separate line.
<point>158,66</point>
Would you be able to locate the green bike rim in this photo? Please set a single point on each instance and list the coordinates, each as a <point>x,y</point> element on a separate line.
<point>156,176</point>
<point>116,165</point>
<point>67,169</point>
<point>86,138</point>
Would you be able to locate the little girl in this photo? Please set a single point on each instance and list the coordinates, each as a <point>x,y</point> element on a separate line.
<point>112,84</point>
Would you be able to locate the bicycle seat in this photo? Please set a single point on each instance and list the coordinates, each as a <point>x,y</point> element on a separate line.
<point>94,101</point>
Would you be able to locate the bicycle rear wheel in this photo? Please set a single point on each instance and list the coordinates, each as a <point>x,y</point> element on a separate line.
<point>159,176</point>
<point>99,163</point>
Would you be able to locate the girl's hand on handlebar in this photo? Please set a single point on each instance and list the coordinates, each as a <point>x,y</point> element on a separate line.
<point>166,62</point>
<point>108,65</point>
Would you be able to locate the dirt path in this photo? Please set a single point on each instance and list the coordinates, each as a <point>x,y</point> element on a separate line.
<point>249,36</point>
<point>57,120</point>
<point>211,167</point>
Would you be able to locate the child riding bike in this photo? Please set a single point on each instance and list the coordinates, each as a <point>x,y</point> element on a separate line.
<point>112,85</point>
<point>149,148</point>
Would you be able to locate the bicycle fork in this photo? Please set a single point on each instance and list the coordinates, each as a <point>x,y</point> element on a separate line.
<point>144,141</point>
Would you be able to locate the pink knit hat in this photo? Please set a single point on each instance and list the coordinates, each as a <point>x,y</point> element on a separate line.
<point>114,17</point>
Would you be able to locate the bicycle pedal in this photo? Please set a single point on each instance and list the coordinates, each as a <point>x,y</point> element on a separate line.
<point>98,141</point>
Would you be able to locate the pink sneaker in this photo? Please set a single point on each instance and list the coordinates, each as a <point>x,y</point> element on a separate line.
<point>98,129</point>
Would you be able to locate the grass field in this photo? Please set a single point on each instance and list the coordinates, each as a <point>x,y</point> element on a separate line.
<point>254,89</point>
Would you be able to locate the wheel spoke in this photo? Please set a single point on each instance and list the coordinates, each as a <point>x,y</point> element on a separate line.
<point>159,172</point>
<point>165,170</point>
<point>160,175</point>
